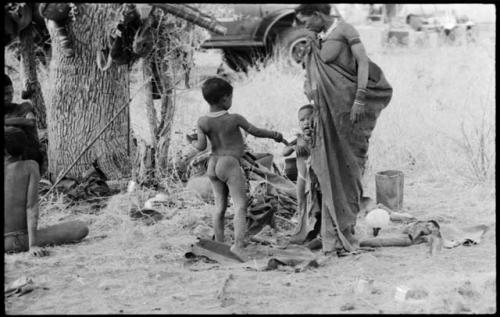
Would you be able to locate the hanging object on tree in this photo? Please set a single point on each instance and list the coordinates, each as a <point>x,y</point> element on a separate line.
<point>192,15</point>
<point>59,15</point>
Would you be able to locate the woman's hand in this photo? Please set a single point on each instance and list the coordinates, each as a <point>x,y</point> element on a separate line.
<point>278,137</point>
<point>38,252</point>
<point>357,111</point>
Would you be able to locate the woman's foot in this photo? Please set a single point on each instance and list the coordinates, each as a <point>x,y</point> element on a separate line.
<point>239,251</point>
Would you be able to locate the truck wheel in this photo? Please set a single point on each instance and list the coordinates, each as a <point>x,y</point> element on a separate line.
<point>236,60</point>
<point>240,60</point>
<point>291,42</point>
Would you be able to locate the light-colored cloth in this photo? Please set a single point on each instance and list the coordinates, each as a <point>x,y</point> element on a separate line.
<point>454,236</point>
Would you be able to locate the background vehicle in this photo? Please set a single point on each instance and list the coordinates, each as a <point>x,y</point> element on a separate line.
<point>256,31</point>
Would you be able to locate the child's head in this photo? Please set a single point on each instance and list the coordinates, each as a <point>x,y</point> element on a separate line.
<point>15,141</point>
<point>8,90</point>
<point>305,118</point>
<point>218,92</point>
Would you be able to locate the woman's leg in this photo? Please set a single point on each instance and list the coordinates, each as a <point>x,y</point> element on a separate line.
<point>15,242</point>
<point>66,232</point>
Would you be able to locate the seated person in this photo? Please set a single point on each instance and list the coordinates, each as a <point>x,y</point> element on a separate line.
<point>21,178</point>
<point>224,170</point>
<point>308,193</point>
<point>22,116</point>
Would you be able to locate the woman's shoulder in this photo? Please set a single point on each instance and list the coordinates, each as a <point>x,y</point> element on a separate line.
<point>346,28</point>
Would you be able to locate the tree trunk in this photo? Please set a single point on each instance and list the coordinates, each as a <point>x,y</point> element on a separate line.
<point>165,128</point>
<point>83,99</point>
<point>30,77</point>
<point>144,161</point>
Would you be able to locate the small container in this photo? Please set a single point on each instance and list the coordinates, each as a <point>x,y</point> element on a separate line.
<point>389,188</point>
<point>401,292</point>
<point>291,168</point>
<point>363,286</point>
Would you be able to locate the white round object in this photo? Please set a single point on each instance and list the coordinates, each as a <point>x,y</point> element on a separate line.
<point>378,218</point>
<point>161,197</point>
<point>149,203</point>
<point>131,186</point>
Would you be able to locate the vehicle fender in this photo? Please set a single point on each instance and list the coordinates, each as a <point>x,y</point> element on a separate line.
<point>269,21</point>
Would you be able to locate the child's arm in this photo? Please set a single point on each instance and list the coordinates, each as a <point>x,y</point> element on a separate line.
<point>20,121</point>
<point>257,132</point>
<point>289,148</point>
<point>201,142</point>
<point>32,203</point>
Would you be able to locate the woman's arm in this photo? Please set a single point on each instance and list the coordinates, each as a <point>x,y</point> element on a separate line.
<point>19,121</point>
<point>32,204</point>
<point>359,53</point>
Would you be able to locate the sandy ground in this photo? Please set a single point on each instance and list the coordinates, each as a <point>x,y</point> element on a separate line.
<point>143,269</point>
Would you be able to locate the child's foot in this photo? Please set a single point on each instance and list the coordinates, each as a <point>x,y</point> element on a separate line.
<point>239,251</point>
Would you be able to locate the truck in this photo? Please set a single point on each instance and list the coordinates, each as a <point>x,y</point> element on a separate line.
<point>257,31</point>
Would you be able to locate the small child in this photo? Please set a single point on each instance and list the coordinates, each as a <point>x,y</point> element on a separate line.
<point>308,209</point>
<point>224,169</point>
<point>21,178</point>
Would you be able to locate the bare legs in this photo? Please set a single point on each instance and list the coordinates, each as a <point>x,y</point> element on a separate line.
<point>227,177</point>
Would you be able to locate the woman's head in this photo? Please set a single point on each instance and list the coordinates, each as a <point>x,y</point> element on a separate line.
<point>313,15</point>
<point>15,141</point>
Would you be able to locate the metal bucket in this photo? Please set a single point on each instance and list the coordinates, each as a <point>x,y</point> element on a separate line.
<point>291,168</point>
<point>389,188</point>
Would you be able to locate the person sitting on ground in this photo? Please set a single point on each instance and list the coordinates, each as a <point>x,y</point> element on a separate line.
<point>22,116</point>
<point>224,169</point>
<point>308,192</point>
<point>21,179</point>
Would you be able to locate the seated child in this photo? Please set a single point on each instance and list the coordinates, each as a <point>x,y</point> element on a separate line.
<point>308,205</point>
<point>21,178</point>
<point>224,170</point>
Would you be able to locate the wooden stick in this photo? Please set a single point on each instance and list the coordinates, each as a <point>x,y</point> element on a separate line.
<point>394,241</point>
<point>284,219</point>
<point>192,15</point>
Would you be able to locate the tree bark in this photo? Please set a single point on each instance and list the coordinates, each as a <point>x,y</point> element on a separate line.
<point>30,77</point>
<point>83,99</point>
<point>165,128</point>
<point>144,161</point>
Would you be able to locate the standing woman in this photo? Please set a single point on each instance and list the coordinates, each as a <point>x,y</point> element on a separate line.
<point>349,92</point>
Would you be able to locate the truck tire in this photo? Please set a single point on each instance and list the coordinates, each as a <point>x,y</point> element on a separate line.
<point>236,60</point>
<point>291,43</point>
<point>240,60</point>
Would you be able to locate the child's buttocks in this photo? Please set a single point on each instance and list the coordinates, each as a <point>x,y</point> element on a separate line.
<point>224,167</point>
